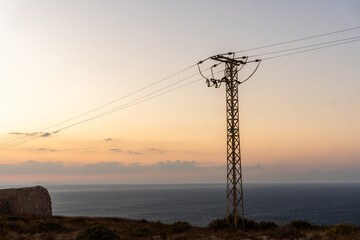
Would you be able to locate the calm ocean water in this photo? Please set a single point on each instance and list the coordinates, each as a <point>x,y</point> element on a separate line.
<point>201,203</point>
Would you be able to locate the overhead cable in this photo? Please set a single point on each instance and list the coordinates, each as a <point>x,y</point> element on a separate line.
<point>309,50</point>
<point>124,106</point>
<point>307,46</point>
<point>299,39</point>
<point>99,107</point>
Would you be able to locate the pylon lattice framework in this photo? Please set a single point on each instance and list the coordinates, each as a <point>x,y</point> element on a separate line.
<point>235,202</point>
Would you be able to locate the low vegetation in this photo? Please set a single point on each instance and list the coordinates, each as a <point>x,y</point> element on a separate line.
<point>97,232</point>
<point>86,228</point>
<point>180,227</point>
<point>293,230</point>
<point>343,230</point>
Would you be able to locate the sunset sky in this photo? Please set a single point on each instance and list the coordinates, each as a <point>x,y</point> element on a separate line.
<point>299,117</point>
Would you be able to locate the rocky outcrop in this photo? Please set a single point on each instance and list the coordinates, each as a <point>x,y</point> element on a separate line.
<point>25,201</point>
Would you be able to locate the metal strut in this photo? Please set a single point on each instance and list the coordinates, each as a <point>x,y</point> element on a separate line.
<point>235,204</point>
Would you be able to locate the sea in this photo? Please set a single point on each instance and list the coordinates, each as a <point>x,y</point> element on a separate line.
<point>199,204</point>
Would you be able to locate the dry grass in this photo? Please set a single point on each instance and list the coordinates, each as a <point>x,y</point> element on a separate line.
<point>87,228</point>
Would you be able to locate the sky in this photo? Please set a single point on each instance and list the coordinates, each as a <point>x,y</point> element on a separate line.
<point>299,114</point>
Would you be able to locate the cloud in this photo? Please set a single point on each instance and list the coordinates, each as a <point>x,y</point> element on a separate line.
<point>115,150</point>
<point>114,172</point>
<point>155,150</point>
<point>24,134</point>
<point>176,165</point>
<point>39,134</point>
<point>31,167</point>
<point>134,153</point>
<point>176,171</point>
<point>289,174</point>
<point>107,139</point>
<point>46,134</point>
<point>131,152</point>
<point>45,150</point>
<point>42,149</point>
<point>59,168</point>
<point>254,167</point>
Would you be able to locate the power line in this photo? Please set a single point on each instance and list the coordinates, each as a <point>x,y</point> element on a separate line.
<point>129,105</point>
<point>308,50</point>
<point>134,102</point>
<point>256,68</point>
<point>299,39</point>
<point>102,106</point>
<point>308,46</point>
<point>124,106</point>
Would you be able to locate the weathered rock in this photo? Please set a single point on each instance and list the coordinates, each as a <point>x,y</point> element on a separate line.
<point>25,201</point>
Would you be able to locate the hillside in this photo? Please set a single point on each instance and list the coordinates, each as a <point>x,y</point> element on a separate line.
<point>86,228</point>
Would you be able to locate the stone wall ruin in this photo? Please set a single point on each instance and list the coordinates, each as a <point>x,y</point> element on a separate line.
<point>25,201</point>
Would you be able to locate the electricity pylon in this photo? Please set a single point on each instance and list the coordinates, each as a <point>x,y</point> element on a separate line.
<point>235,200</point>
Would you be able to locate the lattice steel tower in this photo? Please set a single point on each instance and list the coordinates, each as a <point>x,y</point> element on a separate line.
<point>235,204</point>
